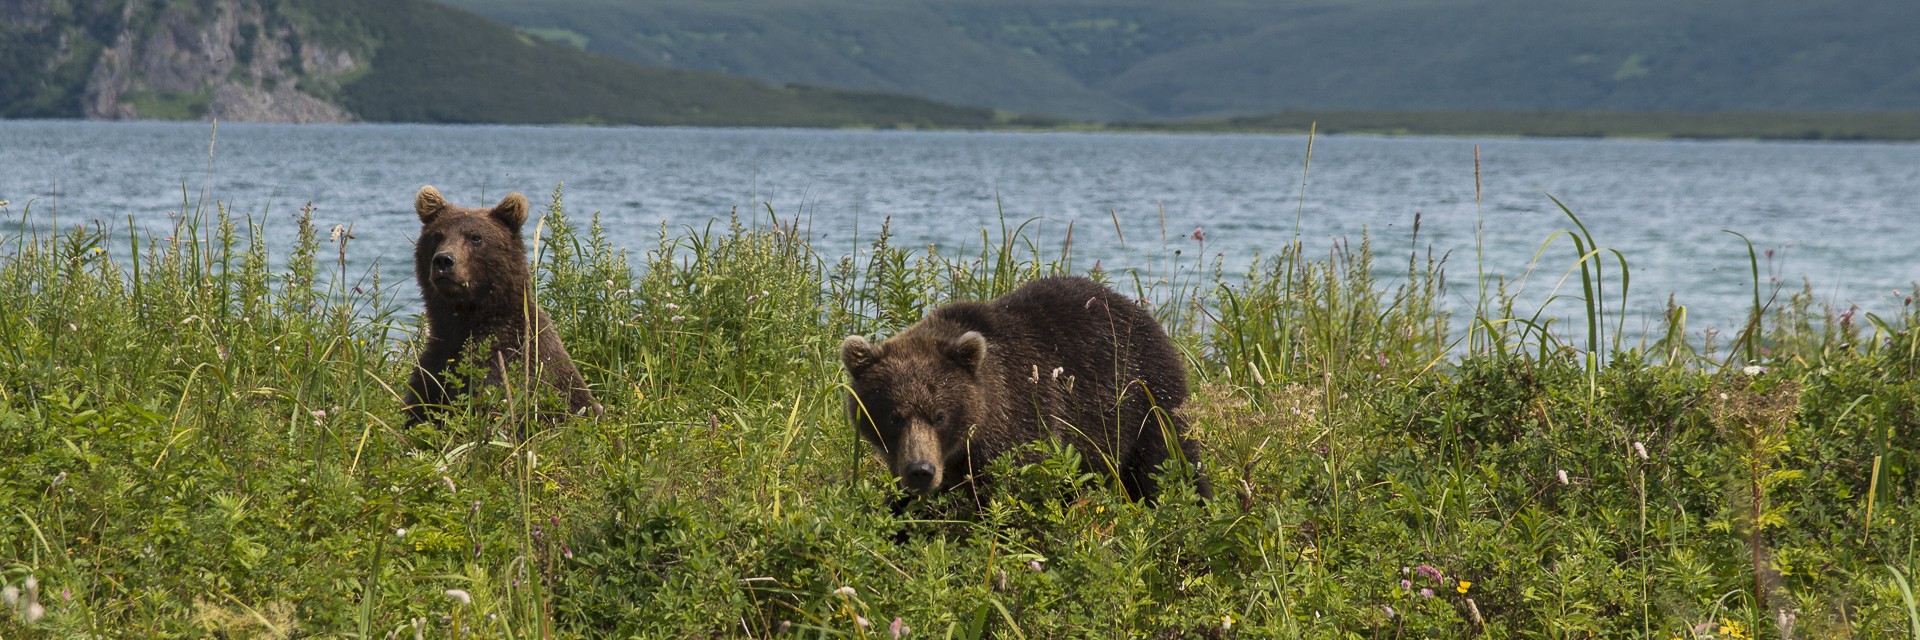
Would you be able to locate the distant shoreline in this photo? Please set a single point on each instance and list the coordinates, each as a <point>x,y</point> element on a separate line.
<point>1835,126</point>
<point>1901,126</point>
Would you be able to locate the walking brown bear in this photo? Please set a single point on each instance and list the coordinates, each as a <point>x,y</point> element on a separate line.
<point>1058,357</point>
<point>473,274</point>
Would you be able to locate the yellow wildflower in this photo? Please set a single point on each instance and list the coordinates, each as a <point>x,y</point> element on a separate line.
<point>1463,586</point>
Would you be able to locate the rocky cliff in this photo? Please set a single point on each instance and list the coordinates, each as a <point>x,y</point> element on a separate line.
<point>376,60</point>
<point>241,60</point>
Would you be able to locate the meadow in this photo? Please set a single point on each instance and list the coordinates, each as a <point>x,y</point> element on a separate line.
<point>201,436</point>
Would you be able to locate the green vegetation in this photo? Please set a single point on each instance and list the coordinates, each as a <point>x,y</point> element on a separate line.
<point>425,62</point>
<point>1139,59</point>
<point>168,106</point>
<point>199,442</point>
<point>440,65</point>
<point>1566,124</point>
<point>567,37</point>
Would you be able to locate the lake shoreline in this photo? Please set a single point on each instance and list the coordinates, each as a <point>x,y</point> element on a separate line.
<point>1886,126</point>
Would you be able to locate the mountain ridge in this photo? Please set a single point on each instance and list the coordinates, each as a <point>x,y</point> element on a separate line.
<point>1137,59</point>
<point>388,61</point>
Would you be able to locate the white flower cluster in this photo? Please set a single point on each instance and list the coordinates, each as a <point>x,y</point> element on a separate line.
<point>24,600</point>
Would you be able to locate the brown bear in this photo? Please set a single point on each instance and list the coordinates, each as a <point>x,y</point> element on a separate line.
<point>1061,357</point>
<point>473,274</point>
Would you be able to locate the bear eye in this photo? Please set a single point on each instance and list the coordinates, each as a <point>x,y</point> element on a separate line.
<point>473,238</point>
<point>940,417</point>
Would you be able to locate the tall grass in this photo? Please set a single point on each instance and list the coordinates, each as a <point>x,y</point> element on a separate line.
<point>196,443</point>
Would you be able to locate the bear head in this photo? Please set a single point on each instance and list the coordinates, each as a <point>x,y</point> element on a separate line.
<point>914,398</point>
<point>469,254</point>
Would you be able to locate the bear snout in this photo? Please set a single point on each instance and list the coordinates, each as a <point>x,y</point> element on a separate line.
<point>442,262</point>
<point>918,477</point>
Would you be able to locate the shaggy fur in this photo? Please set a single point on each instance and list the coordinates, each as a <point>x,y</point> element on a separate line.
<point>1060,357</point>
<point>472,268</point>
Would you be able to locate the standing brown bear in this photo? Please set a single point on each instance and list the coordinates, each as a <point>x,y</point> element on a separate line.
<point>1059,357</point>
<point>473,274</point>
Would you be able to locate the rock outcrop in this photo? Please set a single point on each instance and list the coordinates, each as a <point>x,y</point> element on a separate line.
<point>228,59</point>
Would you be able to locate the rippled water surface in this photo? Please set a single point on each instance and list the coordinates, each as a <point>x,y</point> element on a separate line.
<point>1840,215</point>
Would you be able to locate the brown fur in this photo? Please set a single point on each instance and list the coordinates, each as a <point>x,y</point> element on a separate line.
<point>472,268</point>
<point>974,379</point>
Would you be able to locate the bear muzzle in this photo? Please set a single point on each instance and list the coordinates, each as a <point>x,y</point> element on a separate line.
<point>444,278</point>
<point>919,477</point>
<point>919,459</point>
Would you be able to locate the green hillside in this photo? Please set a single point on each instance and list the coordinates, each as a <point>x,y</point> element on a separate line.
<point>1122,59</point>
<point>398,61</point>
<point>436,65</point>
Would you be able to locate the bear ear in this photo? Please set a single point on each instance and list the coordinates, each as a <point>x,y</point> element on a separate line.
<point>428,203</point>
<point>968,350</point>
<point>512,210</point>
<point>856,353</point>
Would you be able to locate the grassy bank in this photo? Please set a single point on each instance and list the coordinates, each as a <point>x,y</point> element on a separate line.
<point>1891,125</point>
<point>195,443</point>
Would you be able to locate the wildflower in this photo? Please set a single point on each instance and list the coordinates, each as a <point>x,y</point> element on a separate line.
<point>1257,378</point>
<point>1199,234</point>
<point>1753,370</point>
<point>677,319</point>
<point>861,621</point>
<point>34,613</point>
<point>401,532</point>
<point>1563,476</point>
<point>899,628</point>
<point>1406,585</point>
<point>1463,586</point>
<point>1387,609</point>
<point>1057,371</point>
<point>784,626</point>
<point>1430,572</point>
<point>1226,622</point>
<point>98,251</point>
<point>450,487</point>
<point>672,307</point>
<point>565,551</point>
<point>1036,374</point>
<point>1036,565</point>
<point>1734,629</point>
<point>1475,610</point>
<point>1426,593</point>
<point>1641,449</point>
<point>845,592</point>
<point>460,595</point>
<point>11,595</point>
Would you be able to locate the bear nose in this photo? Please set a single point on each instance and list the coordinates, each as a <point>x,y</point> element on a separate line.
<point>918,477</point>
<point>443,261</point>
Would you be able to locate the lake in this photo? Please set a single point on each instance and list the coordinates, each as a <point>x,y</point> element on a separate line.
<point>1842,216</point>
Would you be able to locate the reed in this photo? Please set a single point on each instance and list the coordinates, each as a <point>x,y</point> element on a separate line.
<point>199,443</point>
